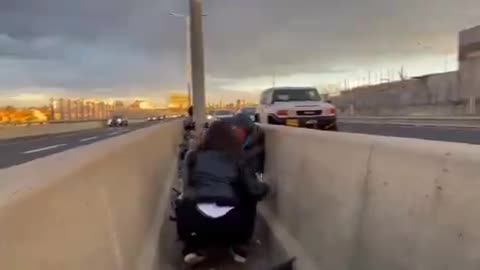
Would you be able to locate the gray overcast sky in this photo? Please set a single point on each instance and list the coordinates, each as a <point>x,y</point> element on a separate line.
<point>127,48</point>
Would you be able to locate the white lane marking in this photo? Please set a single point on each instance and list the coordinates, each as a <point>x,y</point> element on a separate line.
<point>89,139</point>
<point>113,133</point>
<point>118,132</point>
<point>44,148</point>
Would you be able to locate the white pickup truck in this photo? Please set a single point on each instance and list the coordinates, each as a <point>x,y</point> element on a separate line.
<point>296,106</point>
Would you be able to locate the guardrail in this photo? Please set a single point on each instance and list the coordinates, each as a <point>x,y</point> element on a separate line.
<point>444,121</point>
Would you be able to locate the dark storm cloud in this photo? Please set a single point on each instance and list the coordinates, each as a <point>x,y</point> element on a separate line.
<point>89,44</point>
<point>125,44</point>
<point>313,36</point>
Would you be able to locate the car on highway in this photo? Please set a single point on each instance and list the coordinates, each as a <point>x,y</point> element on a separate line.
<point>296,106</point>
<point>117,121</point>
<point>156,118</point>
<point>250,111</point>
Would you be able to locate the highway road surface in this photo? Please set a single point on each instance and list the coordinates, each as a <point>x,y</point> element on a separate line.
<point>20,150</point>
<point>448,134</point>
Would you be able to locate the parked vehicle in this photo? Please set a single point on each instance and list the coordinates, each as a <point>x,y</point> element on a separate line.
<point>296,106</point>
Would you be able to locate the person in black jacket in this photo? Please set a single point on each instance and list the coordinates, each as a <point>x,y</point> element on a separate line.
<point>253,142</point>
<point>253,155</point>
<point>215,182</point>
<point>188,123</point>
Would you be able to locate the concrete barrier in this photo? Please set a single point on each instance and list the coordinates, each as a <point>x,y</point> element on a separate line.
<point>345,201</point>
<point>89,208</point>
<point>9,132</point>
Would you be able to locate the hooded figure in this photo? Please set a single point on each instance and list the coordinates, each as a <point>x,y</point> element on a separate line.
<point>253,142</point>
<point>252,139</point>
<point>188,123</point>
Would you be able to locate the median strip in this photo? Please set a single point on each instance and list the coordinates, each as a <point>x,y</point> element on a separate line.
<point>44,148</point>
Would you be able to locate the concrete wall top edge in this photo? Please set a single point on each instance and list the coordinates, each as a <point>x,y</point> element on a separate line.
<point>470,35</point>
<point>20,181</point>
<point>420,146</point>
<point>430,148</point>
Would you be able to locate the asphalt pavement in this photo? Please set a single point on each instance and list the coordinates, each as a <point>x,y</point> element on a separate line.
<point>20,150</point>
<point>447,134</point>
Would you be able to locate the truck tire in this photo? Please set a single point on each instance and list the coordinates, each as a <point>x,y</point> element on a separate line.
<point>333,127</point>
<point>271,121</point>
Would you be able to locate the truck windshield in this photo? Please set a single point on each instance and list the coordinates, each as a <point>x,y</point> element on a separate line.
<point>307,94</point>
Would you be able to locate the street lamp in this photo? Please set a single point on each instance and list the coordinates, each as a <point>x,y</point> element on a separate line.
<point>188,74</point>
<point>187,54</point>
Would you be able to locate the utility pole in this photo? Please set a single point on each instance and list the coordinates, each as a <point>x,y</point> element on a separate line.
<point>52,109</point>
<point>188,68</point>
<point>198,73</point>
<point>401,74</point>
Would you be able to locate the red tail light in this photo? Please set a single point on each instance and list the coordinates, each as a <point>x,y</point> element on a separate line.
<point>282,113</point>
<point>333,111</point>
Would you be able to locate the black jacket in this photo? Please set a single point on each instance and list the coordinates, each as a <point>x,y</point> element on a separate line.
<point>254,149</point>
<point>188,124</point>
<point>214,177</point>
<point>254,145</point>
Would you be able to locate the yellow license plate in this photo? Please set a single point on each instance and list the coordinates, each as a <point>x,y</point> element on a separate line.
<point>292,122</point>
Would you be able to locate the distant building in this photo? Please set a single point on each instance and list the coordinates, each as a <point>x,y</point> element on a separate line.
<point>118,104</point>
<point>177,101</point>
<point>141,104</point>
<point>136,104</point>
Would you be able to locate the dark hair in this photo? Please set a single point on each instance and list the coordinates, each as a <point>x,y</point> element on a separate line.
<point>221,137</point>
<point>190,111</point>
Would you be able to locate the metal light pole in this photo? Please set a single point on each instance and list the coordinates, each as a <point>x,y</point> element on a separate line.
<point>187,55</point>
<point>188,67</point>
<point>198,73</point>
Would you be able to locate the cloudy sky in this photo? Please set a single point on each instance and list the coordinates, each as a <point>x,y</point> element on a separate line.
<point>134,49</point>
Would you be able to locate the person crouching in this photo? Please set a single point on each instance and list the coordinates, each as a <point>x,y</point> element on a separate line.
<point>210,213</point>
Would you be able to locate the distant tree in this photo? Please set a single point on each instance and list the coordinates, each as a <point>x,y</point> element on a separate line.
<point>10,109</point>
<point>136,104</point>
